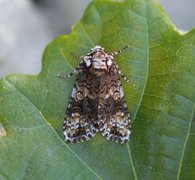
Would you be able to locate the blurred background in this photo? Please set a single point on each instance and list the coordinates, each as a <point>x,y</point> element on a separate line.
<point>27,26</point>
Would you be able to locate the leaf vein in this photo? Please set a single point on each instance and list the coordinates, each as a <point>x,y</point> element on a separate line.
<point>185,144</point>
<point>43,117</point>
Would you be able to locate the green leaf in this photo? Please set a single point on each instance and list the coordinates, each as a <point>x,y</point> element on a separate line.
<point>160,61</point>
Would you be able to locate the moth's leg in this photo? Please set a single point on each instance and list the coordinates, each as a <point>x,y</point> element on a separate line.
<point>119,51</point>
<point>75,71</point>
<point>67,76</point>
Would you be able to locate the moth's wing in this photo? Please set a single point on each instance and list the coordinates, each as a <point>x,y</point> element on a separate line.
<point>114,119</point>
<point>78,122</point>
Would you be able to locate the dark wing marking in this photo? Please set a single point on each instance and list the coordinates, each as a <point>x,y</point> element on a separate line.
<point>81,116</point>
<point>113,116</point>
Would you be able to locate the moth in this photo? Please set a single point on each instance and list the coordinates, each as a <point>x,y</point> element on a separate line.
<point>97,102</point>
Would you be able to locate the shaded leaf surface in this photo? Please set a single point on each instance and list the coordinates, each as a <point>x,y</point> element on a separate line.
<point>160,62</point>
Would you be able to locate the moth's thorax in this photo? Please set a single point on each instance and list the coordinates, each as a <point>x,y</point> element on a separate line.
<point>98,61</point>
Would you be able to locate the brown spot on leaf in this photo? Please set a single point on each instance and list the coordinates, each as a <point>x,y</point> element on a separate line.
<point>2,131</point>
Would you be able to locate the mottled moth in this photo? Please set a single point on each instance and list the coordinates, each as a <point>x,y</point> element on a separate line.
<point>97,102</point>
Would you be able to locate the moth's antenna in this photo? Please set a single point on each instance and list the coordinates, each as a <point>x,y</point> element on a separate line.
<point>75,71</point>
<point>119,51</point>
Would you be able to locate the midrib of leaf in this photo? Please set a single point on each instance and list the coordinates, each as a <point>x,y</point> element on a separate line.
<point>185,143</point>
<point>131,162</point>
<point>43,117</point>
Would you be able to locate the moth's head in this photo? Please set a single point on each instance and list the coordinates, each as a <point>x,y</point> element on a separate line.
<point>98,60</point>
